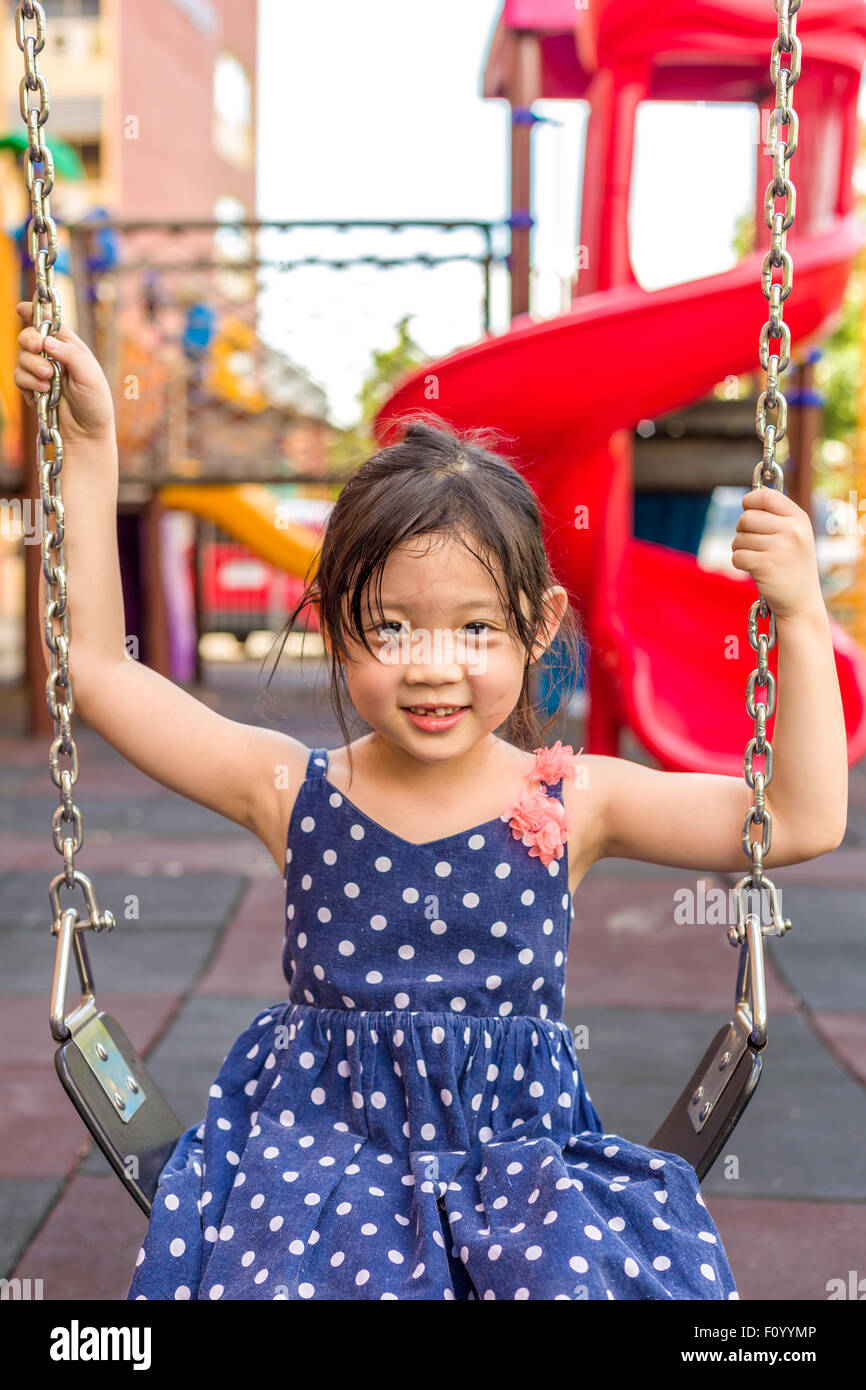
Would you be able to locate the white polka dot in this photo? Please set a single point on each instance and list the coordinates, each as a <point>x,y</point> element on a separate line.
<point>475,841</point>
<point>708,1272</point>
<point>410,895</point>
<point>443,868</point>
<point>632,1268</point>
<point>466,957</point>
<point>378,923</point>
<point>458,1003</point>
<point>351,890</point>
<point>405,952</point>
<point>498,929</point>
<point>356,831</point>
<point>593,1232</point>
<point>308,824</point>
<point>177,1246</point>
<point>346,948</point>
<point>401,1000</point>
<point>525,956</point>
<point>438,927</point>
<point>661,1262</point>
<point>383,863</point>
<point>502,870</point>
<point>534,1252</point>
<point>471,899</point>
<point>305,1290</point>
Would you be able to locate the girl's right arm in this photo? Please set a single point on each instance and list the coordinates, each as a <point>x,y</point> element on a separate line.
<point>230,767</point>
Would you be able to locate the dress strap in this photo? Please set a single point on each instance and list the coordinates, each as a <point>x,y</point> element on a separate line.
<point>316,764</point>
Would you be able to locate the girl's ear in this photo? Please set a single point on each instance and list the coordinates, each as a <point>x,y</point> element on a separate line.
<point>555,604</point>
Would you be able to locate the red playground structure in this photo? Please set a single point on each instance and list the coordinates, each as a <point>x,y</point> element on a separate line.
<point>572,389</point>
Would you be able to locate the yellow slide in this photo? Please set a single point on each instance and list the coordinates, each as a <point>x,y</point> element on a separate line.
<point>251,514</point>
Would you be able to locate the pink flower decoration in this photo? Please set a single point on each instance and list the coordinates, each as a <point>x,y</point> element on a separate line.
<point>552,764</point>
<point>539,820</point>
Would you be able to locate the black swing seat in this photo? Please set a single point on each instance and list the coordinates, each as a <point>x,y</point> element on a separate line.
<point>727,1076</point>
<point>725,1081</point>
<point>137,1147</point>
<point>101,1072</point>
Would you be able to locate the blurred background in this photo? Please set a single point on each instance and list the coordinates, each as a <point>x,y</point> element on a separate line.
<point>246,346</point>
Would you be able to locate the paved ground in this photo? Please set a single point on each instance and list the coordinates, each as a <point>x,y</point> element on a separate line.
<point>789,1198</point>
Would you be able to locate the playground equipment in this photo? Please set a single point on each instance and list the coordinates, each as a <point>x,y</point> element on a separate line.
<point>248,512</point>
<point>572,389</point>
<point>112,1090</point>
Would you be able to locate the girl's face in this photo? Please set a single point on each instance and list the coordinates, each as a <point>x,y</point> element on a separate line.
<point>443,641</point>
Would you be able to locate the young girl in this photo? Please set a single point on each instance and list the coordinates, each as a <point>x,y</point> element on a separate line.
<point>412,1122</point>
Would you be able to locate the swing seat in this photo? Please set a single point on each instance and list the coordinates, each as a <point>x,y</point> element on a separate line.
<point>723,1083</point>
<point>679,1133</point>
<point>117,1098</point>
<point>139,1147</point>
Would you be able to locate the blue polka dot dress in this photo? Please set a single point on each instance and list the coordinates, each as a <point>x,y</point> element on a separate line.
<point>412,1122</point>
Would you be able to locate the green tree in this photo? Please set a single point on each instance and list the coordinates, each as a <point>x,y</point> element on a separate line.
<point>353,445</point>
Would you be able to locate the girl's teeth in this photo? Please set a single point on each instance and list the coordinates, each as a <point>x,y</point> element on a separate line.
<point>438,711</point>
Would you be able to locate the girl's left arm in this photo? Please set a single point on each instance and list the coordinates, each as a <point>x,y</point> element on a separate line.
<point>695,820</point>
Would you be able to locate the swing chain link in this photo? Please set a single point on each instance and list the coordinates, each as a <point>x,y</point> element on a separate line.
<point>768,473</point>
<point>49,452</point>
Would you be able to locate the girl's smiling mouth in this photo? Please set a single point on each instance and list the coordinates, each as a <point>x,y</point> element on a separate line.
<point>430,720</point>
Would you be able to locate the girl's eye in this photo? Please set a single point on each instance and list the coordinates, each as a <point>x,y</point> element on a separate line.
<point>392,623</point>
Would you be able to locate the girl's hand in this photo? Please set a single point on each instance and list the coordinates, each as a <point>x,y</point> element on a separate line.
<point>775,545</point>
<point>85,407</point>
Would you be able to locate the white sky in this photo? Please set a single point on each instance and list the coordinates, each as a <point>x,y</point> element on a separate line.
<point>375,110</point>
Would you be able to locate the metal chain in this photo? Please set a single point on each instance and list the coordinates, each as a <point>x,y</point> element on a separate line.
<point>770,430</point>
<point>42,242</point>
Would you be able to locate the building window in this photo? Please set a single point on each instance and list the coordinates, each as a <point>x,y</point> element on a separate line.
<point>232,110</point>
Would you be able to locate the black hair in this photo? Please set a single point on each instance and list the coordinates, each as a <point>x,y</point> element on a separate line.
<point>434,479</point>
